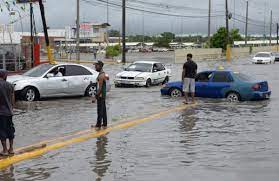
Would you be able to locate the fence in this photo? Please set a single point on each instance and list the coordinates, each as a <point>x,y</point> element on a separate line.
<point>11,58</point>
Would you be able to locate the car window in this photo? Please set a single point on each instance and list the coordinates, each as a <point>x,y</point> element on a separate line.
<point>203,77</point>
<point>222,77</point>
<point>242,77</point>
<point>38,71</point>
<point>60,69</point>
<point>74,70</point>
<point>160,67</point>
<point>263,55</point>
<point>140,67</point>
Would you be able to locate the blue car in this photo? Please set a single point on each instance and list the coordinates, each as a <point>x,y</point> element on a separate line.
<point>227,84</point>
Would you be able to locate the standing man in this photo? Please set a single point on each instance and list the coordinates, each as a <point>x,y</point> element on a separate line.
<point>95,53</point>
<point>188,78</point>
<point>101,96</point>
<point>7,100</point>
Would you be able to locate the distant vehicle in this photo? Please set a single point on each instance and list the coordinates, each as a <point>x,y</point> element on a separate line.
<point>41,82</point>
<point>143,73</point>
<point>233,86</point>
<point>263,58</point>
<point>145,50</point>
<point>276,55</point>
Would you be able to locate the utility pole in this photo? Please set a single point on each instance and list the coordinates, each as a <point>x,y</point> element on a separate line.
<point>77,33</point>
<point>228,49</point>
<point>49,52</point>
<point>227,23</point>
<point>270,33</point>
<point>277,30</point>
<point>31,35</point>
<point>123,31</point>
<point>246,25</point>
<point>209,23</point>
<point>107,11</point>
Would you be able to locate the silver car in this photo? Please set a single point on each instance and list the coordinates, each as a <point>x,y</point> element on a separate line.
<point>59,80</point>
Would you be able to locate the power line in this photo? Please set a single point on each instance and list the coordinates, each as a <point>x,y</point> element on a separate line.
<point>152,12</point>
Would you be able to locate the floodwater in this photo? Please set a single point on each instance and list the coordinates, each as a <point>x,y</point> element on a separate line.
<point>213,141</point>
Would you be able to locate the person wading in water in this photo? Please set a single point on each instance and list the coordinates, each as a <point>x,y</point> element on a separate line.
<point>101,96</point>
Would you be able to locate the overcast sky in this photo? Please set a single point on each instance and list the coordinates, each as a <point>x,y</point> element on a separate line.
<point>61,13</point>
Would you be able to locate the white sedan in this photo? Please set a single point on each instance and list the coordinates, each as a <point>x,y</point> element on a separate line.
<point>48,80</point>
<point>263,58</point>
<point>143,73</point>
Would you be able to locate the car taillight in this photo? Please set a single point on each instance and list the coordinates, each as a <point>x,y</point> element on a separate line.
<point>256,87</point>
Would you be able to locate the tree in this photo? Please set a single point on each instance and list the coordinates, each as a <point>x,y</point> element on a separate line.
<point>113,51</point>
<point>114,33</point>
<point>218,40</point>
<point>164,39</point>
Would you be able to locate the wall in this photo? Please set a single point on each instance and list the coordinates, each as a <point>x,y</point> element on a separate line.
<point>198,54</point>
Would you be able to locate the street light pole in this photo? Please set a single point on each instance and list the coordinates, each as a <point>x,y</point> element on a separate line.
<point>31,34</point>
<point>209,22</point>
<point>246,24</point>
<point>78,33</point>
<point>227,23</point>
<point>123,31</point>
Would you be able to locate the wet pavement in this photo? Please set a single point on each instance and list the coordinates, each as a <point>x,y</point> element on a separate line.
<point>214,140</point>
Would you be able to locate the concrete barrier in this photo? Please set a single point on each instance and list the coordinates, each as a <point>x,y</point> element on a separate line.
<point>240,52</point>
<point>198,54</point>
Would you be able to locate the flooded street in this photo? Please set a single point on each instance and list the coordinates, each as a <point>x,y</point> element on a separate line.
<point>214,140</point>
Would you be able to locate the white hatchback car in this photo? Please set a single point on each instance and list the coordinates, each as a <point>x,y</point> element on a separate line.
<point>47,80</point>
<point>143,73</point>
<point>263,58</point>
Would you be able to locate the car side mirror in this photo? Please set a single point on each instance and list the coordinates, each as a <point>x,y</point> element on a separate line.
<point>49,75</point>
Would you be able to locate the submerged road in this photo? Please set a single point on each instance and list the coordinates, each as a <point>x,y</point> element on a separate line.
<point>214,140</point>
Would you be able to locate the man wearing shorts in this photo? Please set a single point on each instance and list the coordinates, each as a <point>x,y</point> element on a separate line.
<point>188,78</point>
<point>7,129</point>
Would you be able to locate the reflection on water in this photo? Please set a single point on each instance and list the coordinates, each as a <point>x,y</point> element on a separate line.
<point>7,174</point>
<point>188,120</point>
<point>102,164</point>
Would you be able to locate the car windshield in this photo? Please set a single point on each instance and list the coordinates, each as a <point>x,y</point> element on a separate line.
<point>140,67</point>
<point>263,55</point>
<point>38,71</point>
<point>242,77</point>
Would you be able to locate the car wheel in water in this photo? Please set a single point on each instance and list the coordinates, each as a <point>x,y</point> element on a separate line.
<point>175,93</point>
<point>148,83</point>
<point>91,90</point>
<point>29,94</point>
<point>166,80</point>
<point>233,97</point>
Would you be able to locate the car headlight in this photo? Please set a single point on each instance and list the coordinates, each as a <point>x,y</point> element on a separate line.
<point>139,78</point>
<point>118,77</point>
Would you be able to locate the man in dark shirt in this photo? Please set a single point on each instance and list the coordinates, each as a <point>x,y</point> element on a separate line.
<point>188,78</point>
<point>7,129</point>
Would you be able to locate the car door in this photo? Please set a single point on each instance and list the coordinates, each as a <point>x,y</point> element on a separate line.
<point>53,86</point>
<point>218,83</point>
<point>156,74</point>
<point>162,72</point>
<point>78,78</point>
<point>202,84</point>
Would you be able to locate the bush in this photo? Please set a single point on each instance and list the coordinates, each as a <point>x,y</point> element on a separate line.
<point>113,51</point>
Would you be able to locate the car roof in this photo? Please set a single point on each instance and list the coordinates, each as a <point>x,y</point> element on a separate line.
<point>147,62</point>
<point>264,52</point>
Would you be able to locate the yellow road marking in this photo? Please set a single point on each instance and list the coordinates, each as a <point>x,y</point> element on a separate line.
<point>29,155</point>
